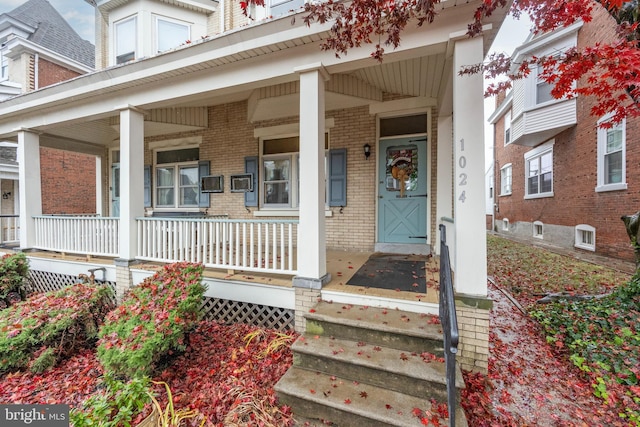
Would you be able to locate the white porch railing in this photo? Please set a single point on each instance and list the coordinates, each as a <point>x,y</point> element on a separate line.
<point>249,245</point>
<point>9,229</point>
<point>90,235</point>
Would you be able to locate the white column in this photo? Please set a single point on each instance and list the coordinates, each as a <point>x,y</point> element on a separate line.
<point>312,263</point>
<point>468,177</point>
<point>444,207</point>
<point>131,179</point>
<point>99,185</point>
<point>30,195</point>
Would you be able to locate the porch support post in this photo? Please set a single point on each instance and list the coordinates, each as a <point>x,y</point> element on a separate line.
<point>30,196</point>
<point>444,208</point>
<point>469,151</point>
<point>312,256</point>
<point>131,189</point>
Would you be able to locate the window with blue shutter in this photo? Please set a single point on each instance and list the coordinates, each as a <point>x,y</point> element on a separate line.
<point>203,170</point>
<point>337,180</point>
<point>251,166</point>
<point>147,186</point>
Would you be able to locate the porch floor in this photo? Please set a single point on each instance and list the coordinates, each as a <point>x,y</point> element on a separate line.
<point>342,265</point>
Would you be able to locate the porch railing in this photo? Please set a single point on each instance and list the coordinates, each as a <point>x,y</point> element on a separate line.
<point>9,229</point>
<point>90,235</point>
<point>249,245</point>
<point>449,321</point>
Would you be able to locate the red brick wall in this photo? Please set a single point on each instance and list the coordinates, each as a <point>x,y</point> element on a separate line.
<point>68,182</point>
<point>50,73</point>
<point>575,200</point>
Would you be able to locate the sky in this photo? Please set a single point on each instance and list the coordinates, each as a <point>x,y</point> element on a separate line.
<point>78,13</point>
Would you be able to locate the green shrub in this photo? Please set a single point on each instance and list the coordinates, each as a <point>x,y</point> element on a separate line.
<point>115,405</point>
<point>151,321</point>
<point>35,333</point>
<point>14,269</point>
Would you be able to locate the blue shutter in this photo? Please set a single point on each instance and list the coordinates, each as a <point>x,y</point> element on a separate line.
<point>251,166</point>
<point>338,177</point>
<point>203,170</point>
<point>147,186</point>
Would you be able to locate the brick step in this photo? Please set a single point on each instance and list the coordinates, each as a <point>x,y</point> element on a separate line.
<point>415,374</point>
<point>322,399</point>
<point>411,332</point>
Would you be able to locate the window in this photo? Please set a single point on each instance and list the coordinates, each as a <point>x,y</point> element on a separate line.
<point>538,229</point>
<point>505,224</point>
<point>505,180</point>
<point>126,37</point>
<point>611,157</point>
<point>177,178</point>
<point>171,33</point>
<point>507,128</point>
<point>585,237</point>
<point>539,171</point>
<point>4,69</point>
<point>280,175</point>
<point>543,88</point>
<point>275,8</point>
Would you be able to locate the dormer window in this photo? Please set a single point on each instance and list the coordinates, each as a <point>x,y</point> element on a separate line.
<point>171,33</point>
<point>126,36</point>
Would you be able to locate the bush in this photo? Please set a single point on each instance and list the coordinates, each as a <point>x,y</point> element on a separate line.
<point>152,321</point>
<point>115,405</point>
<point>35,333</point>
<point>13,273</point>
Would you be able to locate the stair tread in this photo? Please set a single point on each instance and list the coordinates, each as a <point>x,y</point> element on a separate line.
<point>412,365</point>
<point>381,405</point>
<point>389,320</point>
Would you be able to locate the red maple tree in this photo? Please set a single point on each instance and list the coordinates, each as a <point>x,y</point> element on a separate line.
<point>607,71</point>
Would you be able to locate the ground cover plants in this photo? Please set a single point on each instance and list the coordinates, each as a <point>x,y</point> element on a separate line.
<point>575,361</point>
<point>13,276</point>
<point>153,352</point>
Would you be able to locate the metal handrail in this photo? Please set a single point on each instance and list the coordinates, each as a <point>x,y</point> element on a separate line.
<point>449,321</point>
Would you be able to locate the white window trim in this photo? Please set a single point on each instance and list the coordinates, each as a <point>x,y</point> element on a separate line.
<point>156,22</point>
<point>537,152</point>
<point>502,169</point>
<point>537,224</point>
<point>169,145</point>
<point>602,143</point>
<point>578,237</point>
<point>508,136</point>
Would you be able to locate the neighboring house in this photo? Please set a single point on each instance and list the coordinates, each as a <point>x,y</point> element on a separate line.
<point>490,194</point>
<point>244,146</point>
<point>559,178</point>
<point>38,49</point>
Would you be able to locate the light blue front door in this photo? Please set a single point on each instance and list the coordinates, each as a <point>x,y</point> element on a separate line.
<point>402,214</point>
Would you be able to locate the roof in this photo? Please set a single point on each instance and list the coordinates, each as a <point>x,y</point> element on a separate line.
<point>53,31</point>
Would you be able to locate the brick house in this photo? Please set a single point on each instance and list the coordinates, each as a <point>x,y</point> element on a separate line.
<point>559,179</point>
<point>240,144</point>
<point>39,49</point>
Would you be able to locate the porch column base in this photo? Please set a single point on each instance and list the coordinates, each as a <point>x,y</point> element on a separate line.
<point>473,325</point>
<point>124,281</point>
<point>308,283</point>
<point>306,299</point>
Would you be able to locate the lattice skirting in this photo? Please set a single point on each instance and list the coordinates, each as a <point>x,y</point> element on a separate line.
<point>227,311</point>
<point>45,281</point>
<point>221,310</point>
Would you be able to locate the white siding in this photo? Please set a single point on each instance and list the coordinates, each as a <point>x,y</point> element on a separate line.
<point>556,115</point>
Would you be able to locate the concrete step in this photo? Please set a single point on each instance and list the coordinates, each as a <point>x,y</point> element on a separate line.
<point>415,374</point>
<point>410,332</point>
<point>331,400</point>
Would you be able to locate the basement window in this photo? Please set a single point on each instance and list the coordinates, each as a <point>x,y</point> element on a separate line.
<point>538,230</point>
<point>505,224</point>
<point>585,237</point>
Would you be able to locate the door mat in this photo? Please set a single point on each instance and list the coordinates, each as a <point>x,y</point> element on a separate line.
<point>394,272</point>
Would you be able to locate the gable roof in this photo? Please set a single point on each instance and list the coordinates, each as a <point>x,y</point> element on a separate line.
<point>53,31</point>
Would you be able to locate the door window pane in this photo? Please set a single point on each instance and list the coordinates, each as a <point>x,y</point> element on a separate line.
<point>402,167</point>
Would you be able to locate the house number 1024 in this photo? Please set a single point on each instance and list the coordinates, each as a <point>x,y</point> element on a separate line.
<point>462,163</point>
